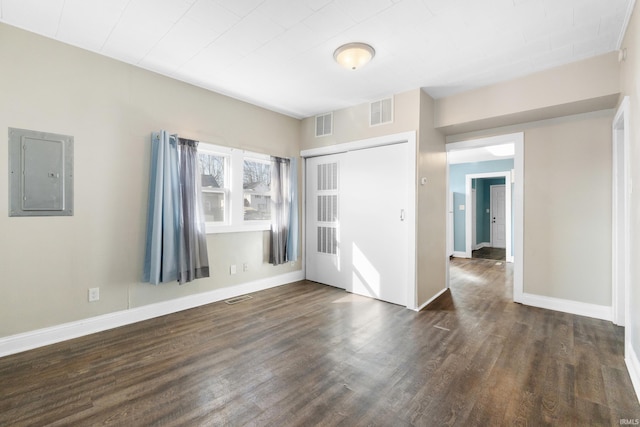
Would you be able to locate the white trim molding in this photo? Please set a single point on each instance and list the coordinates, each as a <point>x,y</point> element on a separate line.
<point>621,214</point>
<point>459,254</point>
<point>396,138</point>
<point>633,366</point>
<point>625,25</point>
<point>482,245</point>
<point>33,339</point>
<point>432,299</point>
<point>595,311</point>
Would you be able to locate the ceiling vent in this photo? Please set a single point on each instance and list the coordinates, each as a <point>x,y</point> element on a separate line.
<point>381,112</point>
<point>324,124</point>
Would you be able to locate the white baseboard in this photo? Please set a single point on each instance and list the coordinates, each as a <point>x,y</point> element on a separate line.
<point>482,245</point>
<point>460,255</point>
<point>603,312</point>
<point>432,299</point>
<point>633,366</point>
<point>66,331</point>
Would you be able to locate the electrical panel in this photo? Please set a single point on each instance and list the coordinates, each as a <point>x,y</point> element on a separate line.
<point>40,173</point>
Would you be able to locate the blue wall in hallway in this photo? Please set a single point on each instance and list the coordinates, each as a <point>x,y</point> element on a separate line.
<point>457,180</point>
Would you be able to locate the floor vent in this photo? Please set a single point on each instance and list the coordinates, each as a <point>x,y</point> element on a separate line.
<point>236,300</point>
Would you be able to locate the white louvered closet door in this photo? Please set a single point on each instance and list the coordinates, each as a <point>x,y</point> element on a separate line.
<point>357,221</point>
<point>323,220</point>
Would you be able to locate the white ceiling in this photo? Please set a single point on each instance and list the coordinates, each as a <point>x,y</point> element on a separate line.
<point>481,154</point>
<point>279,53</point>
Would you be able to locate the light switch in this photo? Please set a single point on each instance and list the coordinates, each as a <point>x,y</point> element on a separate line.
<point>461,207</point>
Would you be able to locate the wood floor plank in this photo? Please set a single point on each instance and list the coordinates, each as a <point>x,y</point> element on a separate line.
<point>308,354</point>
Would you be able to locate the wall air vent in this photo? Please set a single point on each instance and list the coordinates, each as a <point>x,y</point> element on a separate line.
<point>381,112</point>
<point>324,124</point>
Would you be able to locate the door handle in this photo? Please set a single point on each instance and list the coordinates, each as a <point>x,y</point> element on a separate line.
<point>402,215</point>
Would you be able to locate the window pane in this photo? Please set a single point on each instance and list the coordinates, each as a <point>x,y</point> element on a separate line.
<point>257,206</point>
<point>213,204</point>
<point>212,175</point>
<point>256,183</point>
<point>212,170</point>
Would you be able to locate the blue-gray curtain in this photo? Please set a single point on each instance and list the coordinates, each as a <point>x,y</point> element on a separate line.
<point>176,236</point>
<point>292,241</point>
<point>284,211</point>
<point>193,257</point>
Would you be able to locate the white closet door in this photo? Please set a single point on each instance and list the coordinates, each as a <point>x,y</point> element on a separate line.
<point>357,220</point>
<point>323,220</point>
<point>374,222</point>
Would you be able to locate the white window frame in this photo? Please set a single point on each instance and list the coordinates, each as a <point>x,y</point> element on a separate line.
<point>234,208</point>
<point>204,148</point>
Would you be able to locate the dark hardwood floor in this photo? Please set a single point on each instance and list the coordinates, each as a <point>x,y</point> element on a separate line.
<point>306,354</point>
<point>488,252</point>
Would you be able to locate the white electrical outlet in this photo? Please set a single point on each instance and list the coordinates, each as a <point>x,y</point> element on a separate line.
<point>94,294</point>
<point>232,269</point>
<point>245,266</point>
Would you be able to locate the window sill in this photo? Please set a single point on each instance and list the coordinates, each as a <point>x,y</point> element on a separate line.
<point>217,229</point>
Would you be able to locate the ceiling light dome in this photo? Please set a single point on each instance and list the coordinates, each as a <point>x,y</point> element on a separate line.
<point>354,55</point>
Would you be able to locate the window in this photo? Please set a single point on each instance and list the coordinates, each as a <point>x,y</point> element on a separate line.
<point>215,192</point>
<point>236,189</point>
<point>256,184</point>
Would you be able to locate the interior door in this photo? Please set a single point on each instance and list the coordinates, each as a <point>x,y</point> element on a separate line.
<point>374,222</point>
<point>498,218</point>
<point>323,220</point>
<point>474,220</point>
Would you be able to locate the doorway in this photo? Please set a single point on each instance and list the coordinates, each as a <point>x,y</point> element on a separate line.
<point>488,219</point>
<point>515,177</point>
<point>479,218</point>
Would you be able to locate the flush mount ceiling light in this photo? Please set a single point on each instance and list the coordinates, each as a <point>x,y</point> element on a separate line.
<point>354,55</point>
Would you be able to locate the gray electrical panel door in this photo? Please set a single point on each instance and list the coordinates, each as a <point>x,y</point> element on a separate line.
<point>40,173</point>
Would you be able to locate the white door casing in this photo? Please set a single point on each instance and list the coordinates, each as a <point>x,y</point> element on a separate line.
<point>621,227</point>
<point>469,220</point>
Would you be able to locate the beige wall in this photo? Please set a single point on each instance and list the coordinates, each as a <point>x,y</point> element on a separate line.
<point>567,209</point>
<point>110,108</point>
<point>431,205</point>
<point>567,205</point>
<point>352,124</point>
<point>589,85</point>
<point>630,82</point>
